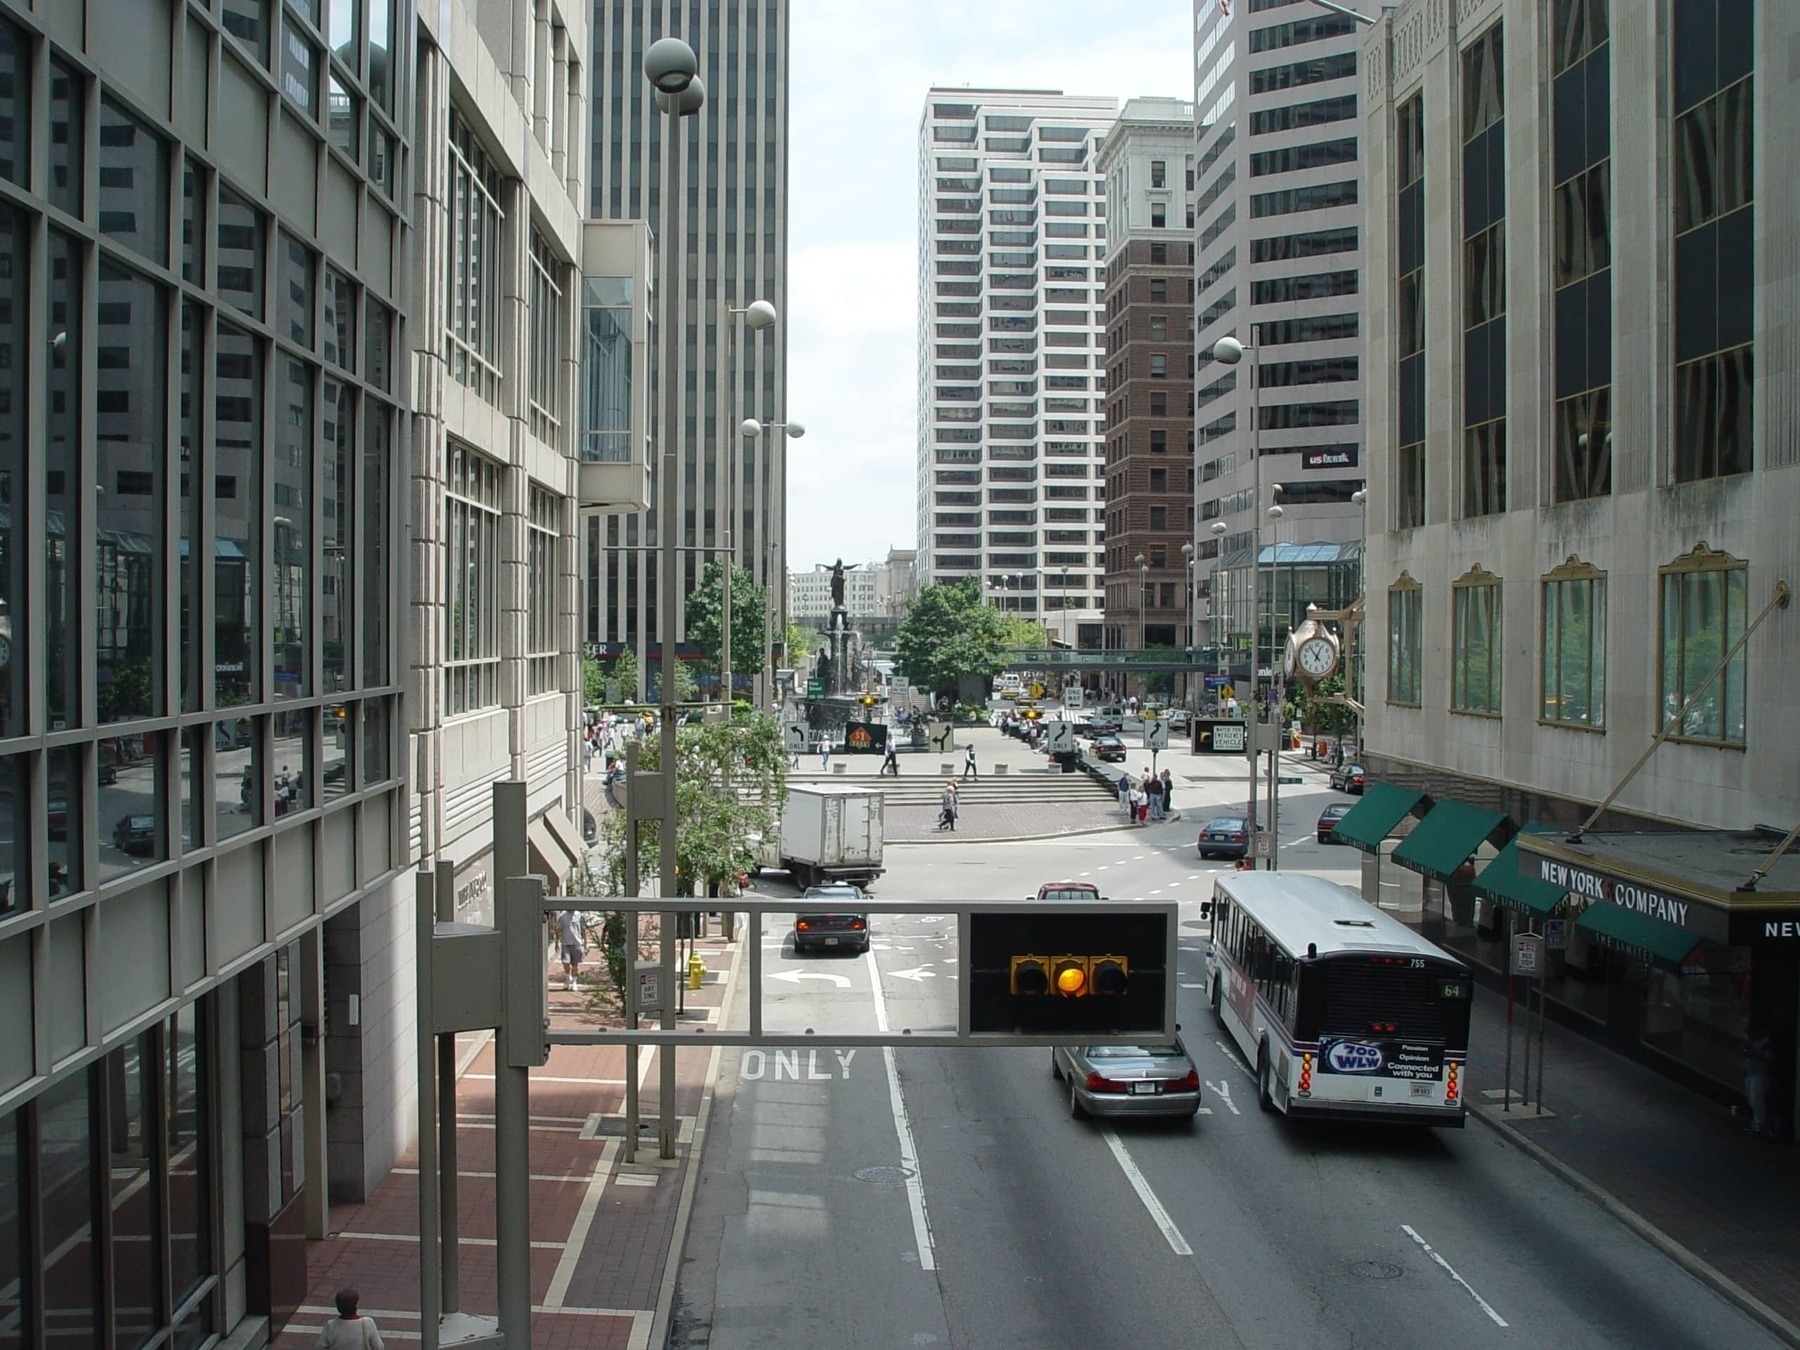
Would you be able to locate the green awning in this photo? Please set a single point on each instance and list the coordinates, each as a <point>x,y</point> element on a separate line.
<point>1447,838</point>
<point>1371,820</point>
<point>1504,883</point>
<point>1662,944</point>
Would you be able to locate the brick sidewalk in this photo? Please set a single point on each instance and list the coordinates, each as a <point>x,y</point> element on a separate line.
<point>602,1229</point>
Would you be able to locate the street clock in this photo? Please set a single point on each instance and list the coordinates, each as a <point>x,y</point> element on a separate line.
<point>1312,653</point>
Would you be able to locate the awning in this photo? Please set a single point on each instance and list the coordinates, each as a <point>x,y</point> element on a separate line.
<point>548,856</point>
<point>566,834</point>
<point>1371,820</point>
<point>1503,882</point>
<point>1660,943</point>
<point>1447,838</point>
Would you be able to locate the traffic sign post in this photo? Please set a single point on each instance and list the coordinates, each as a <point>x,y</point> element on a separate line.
<point>1265,843</point>
<point>1527,963</point>
<point>1556,935</point>
<point>1062,737</point>
<point>793,738</point>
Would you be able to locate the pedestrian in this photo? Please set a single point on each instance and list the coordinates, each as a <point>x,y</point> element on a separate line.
<point>1759,1057</point>
<point>569,937</point>
<point>1168,793</point>
<point>890,762</point>
<point>1140,803</point>
<point>1125,794</point>
<point>969,763</point>
<point>794,760</point>
<point>349,1330</point>
<point>825,753</point>
<point>947,807</point>
<point>1153,795</point>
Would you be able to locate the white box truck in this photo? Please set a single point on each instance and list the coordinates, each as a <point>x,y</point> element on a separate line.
<point>829,832</point>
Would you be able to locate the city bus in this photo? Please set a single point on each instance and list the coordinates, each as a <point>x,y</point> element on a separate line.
<point>1345,1012</point>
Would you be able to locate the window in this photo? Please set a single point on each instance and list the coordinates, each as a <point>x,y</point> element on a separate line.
<point>1409,266</point>
<point>1703,610</point>
<point>1294,158</point>
<point>1403,642</point>
<point>1317,197</point>
<point>1714,238</point>
<point>1159,172</point>
<point>546,589</point>
<point>1484,278</point>
<point>134,183</point>
<point>473,278</point>
<point>606,369</point>
<point>1572,643</point>
<point>1159,289</point>
<point>1159,366</point>
<point>1159,517</point>
<point>1296,115</point>
<point>1300,31</point>
<point>472,573</point>
<point>1475,642</point>
<point>1159,217</point>
<point>548,319</point>
<point>1271,78</point>
<point>1314,286</point>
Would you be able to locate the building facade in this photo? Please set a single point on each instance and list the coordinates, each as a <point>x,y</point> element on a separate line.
<point>1147,164</point>
<point>1012,247</point>
<point>1571,529</point>
<point>873,591</point>
<point>1279,233</point>
<point>289,568</point>
<point>733,226</point>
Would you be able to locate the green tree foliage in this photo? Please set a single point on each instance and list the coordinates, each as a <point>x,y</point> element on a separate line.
<point>799,645</point>
<point>624,672</point>
<point>1023,634</point>
<point>948,633</point>
<point>715,826</point>
<point>1315,714</point>
<point>705,604</point>
<point>593,682</point>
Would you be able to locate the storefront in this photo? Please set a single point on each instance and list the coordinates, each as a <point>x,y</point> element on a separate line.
<point>1677,944</point>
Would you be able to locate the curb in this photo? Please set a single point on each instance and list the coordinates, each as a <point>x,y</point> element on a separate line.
<point>952,838</point>
<point>1701,1269</point>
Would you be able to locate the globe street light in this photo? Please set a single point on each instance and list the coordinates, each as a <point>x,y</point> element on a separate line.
<point>1218,528</point>
<point>1143,571</point>
<point>1229,351</point>
<point>759,316</point>
<point>777,453</point>
<point>1187,678</point>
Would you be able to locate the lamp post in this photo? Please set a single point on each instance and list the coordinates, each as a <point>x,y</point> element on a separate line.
<point>751,428</point>
<point>1187,675</point>
<point>1277,682</point>
<point>759,316</point>
<point>1353,673</point>
<point>1143,572</point>
<point>1217,528</point>
<point>1229,351</point>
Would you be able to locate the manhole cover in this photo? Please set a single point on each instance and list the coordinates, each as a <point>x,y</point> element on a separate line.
<point>1375,1270</point>
<point>889,1176</point>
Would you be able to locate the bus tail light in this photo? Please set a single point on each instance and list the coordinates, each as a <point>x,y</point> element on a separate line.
<point>1306,1074</point>
<point>1452,1091</point>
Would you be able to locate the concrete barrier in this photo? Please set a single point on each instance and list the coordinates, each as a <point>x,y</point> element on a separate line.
<point>999,769</point>
<point>840,767</point>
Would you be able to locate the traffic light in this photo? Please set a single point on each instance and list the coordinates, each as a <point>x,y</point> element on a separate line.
<point>1073,971</point>
<point>1032,714</point>
<point>867,700</point>
<point>1030,975</point>
<point>1110,976</point>
<point>1069,976</point>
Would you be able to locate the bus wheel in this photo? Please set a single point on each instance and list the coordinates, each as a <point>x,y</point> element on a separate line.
<point>1217,1000</point>
<point>1263,1099</point>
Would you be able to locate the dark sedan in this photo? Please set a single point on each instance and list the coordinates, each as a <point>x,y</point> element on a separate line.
<point>1348,778</point>
<point>1225,837</point>
<point>1328,819</point>
<point>135,834</point>
<point>1109,749</point>
<point>1128,1080</point>
<point>842,929</point>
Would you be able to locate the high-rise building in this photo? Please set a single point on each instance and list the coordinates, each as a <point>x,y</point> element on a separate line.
<point>1148,168</point>
<point>1582,540</point>
<point>1278,236</point>
<point>1012,245</point>
<point>733,227</point>
<point>287,578</point>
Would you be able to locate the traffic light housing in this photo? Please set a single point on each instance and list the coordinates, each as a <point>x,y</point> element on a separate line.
<point>867,700</point>
<point>1032,714</point>
<point>1071,971</point>
<point>1030,975</point>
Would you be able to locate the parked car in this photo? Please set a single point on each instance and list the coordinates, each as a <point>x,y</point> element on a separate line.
<point>1348,778</point>
<point>845,929</point>
<point>1081,892</point>
<point>135,833</point>
<point>1180,719</point>
<point>1128,1080</point>
<point>1328,819</point>
<point>1225,837</point>
<point>1109,749</point>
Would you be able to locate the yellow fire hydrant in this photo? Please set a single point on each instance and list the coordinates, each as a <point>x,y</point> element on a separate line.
<point>696,970</point>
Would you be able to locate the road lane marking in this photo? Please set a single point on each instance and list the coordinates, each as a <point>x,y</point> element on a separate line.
<point>1231,1055</point>
<point>1301,840</point>
<point>1223,1090</point>
<point>1450,1270</point>
<point>795,976</point>
<point>909,1151</point>
<point>1193,986</point>
<point>1158,1215</point>
<point>584,1220</point>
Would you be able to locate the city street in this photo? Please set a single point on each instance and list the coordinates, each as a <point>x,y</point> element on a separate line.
<point>946,1197</point>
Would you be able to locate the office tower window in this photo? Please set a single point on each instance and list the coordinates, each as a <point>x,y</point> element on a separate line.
<point>1409,341</point>
<point>1158,173</point>
<point>15,276</point>
<point>547,319</point>
<point>1581,141</point>
<point>1475,642</point>
<point>1703,610</point>
<point>545,580</point>
<point>472,576</point>
<point>292,471</point>
<point>237,510</point>
<point>248,22</point>
<point>64,559</point>
<point>15,105</point>
<point>337,434</point>
<point>1403,641</point>
<point>134,183</point>
<point>1713,47</point>
<point>1572,645</point>
<point>240,253</point>
<point>473,278</point>
<point>1484,277</point>
<point>68,136</point>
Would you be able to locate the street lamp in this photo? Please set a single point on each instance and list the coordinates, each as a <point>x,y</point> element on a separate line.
<point>1353,678</point>
<point>759,316</point>
<point>1213,625</point>
<point>1229,351</point>
<point>1143,571</point>
<point>751,428</point>
<point>1187,676</point>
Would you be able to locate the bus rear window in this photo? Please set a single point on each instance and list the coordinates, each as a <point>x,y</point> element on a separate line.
<point>1363,997</point>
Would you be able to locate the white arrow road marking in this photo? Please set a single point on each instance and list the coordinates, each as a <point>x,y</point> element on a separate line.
<point>916,974</point>
<point>1231,1055</point>
<point>909,1150</point>
<point>1480,1302</point>
<point>1193,986</point>
<point>1301,840</point>
<point>795,976</point>
<point>1158,1215</point>
<point>1223,1090</point>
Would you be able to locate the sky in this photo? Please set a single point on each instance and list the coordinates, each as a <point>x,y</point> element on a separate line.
<point>858,74</point>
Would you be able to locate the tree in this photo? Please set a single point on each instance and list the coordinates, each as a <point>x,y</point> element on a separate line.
<point>1023,634</point>
<point>714,827</point>
<point>947,634</point>
<point>1317,715</point>
<point>704,615</point>
<point>624,673</point>
<point>593,682</point>
<point>799,645</point>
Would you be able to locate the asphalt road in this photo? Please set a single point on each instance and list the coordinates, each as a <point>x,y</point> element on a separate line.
<point>994,1219</point>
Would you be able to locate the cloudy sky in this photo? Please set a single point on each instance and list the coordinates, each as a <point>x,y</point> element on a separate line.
<point>860,70</point>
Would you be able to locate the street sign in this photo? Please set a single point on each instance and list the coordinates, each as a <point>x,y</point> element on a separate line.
<point>1062,737</point>
<point>649,986</point>
<point>941,735</point>
<point>815,688</point>
<point>1219,737</point>
<point>1284,780</point>
<point>1217,681</point>
<point>1556,935</point>
<point>1528,954</point>
<point>1072,697</point>
<point>1265,844</point>
<point>1156,735</point>
<point>793,737</point>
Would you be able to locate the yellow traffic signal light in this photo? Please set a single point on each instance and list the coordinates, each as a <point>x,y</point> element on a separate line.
<point>1069,976</point>
<point>1032,714</point>
<point>1030,975</point>
<point>867,700</point>
<point>1109,974</point>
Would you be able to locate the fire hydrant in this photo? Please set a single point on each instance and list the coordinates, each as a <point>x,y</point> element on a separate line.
<point>696,970</point>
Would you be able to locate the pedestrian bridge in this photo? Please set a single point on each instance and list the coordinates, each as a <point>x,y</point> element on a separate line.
<point>1147,658</point>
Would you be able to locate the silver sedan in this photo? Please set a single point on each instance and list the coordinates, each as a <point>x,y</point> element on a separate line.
<point>1128,1080</point>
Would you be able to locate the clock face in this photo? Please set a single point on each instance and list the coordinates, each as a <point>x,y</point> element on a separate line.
<point>1317,656</point>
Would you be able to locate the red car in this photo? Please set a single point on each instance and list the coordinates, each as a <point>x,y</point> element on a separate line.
<point>1081,892</point>
<point>1328,819</point>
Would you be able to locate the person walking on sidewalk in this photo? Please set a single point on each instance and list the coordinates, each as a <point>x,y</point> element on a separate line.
<point>1153,795</point>
<point>1759,1059</point>
<point>1125,794</point>
<point>890,762</point>
<point>969,763</point>
<point>574,952</point>
<point>947,807</point>
<point>1140,803</point>
<point>825,753</point>
<point>1168,793</point>
<point>349,1330</point>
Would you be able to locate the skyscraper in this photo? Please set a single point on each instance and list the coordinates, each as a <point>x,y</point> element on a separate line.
<point>734,222</point>
<point>1012,237</point>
